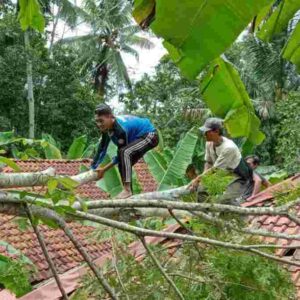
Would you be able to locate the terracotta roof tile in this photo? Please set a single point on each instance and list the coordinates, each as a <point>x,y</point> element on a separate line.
<point>145,179</point>
<point>62,251</point>
<point>279,224</point>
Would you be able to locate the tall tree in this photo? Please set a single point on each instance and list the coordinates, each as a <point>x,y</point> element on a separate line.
<point>111,33</point>
<point>268,79</point>
<point>171,101</point>
<point>30,17</point>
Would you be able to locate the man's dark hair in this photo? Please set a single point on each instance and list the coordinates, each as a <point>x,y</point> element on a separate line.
<point>103,109</point>
<point>254,158</point>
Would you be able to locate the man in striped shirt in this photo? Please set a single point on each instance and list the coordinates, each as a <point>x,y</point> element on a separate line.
<point>134,136</point>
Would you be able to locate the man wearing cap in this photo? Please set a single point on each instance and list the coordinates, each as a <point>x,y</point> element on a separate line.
<point>223,153</point>
<point>134,136</point>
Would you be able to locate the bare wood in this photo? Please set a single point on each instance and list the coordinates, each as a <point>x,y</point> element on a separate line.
<point>147,232</point>
<point>62,224</point>
<point>50,262</point>
<point>26,179</point>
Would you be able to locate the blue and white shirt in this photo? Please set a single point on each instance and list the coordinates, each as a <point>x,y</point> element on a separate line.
<point>126,130</point>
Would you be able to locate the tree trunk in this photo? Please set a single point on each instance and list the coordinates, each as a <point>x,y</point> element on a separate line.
<point>30,97</point>
<point>8,180</point>
<point>101,78</point>
<point>55,22</point>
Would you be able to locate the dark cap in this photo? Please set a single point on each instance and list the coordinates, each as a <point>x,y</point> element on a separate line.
<point>103,109</point>
<point>211,124</point>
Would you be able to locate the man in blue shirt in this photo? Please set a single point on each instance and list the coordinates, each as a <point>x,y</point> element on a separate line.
<point>133,136</point>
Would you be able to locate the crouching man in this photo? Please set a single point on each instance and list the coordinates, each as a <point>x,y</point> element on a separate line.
<point>253,162</point>
<point>223,153</point>
<point>133,136</point>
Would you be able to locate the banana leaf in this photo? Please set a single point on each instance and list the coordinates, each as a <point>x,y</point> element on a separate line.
<point>175,173</point>
<point>77,148</point>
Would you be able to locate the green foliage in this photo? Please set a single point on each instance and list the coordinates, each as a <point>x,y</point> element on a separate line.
<point>277,176</point>
<point>291,51</point>
<point>288,135</point>
<point>182,158</point>
<point>10,163</point>
<point>185,26</point>
<point>77,148</point>
<point>111,183</point>
<point>171,173</point>
<point>222,82</point>
<point>250,277</point>
<point>47,147</point>
<point>205,273</point>
<point>64,100</point>
<point>61,188</point>
<point>136,187</point>
<point>289,195</point>
<point>215,182</point>
<point>156,164</point>
<point>171,102</point>
<point>111,34</point>
<point>268,80</point>
<point>279,19</point>
<point>51,151</point>
<point>14,276</point>
<point>142,9</point>
<point>30,15</point>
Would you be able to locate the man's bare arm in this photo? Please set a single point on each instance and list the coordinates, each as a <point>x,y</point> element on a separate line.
<point>194,184</point>
<point>207,166</point>
<point>257,184</point>
<point>102,170</point>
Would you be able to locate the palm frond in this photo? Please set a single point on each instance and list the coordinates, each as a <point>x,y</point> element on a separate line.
<point>130,30</point>
<point>78,39</point>
<point>129,50</point>
<point>139,41</point>
<point>119,68</point>
<point>69,12</point>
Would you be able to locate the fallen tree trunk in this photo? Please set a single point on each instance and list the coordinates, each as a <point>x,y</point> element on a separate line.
<point>9,180</point>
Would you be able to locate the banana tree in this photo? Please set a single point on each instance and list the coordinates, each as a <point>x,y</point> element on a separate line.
<point>111,183</point>
<point>46,147</point>
<point>112,34</point>
<point>197,32</point>
<point>172,173</point>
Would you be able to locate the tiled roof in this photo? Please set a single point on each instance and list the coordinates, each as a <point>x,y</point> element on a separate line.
<point>61,250</point>
<point>64,255</point>
<point>279,224</point>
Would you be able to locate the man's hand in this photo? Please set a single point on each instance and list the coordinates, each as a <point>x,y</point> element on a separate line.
<point>194,184</point>
<point>100,172</point>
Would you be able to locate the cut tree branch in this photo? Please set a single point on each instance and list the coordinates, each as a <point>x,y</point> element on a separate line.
<point>42,243</point>
<point>147,232</point>
<point>161,269</point>
<point>8,180</point>
<point>63,225</point>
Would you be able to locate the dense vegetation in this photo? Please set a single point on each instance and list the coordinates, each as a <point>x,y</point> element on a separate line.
<point>254,86</point>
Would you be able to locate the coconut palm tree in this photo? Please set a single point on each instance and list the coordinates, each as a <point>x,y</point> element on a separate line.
<point>111,33</point>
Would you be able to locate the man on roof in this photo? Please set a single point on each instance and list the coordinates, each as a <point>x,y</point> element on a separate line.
<point>223,153</point>
<point>134,136</point>
<point>253,161</point>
